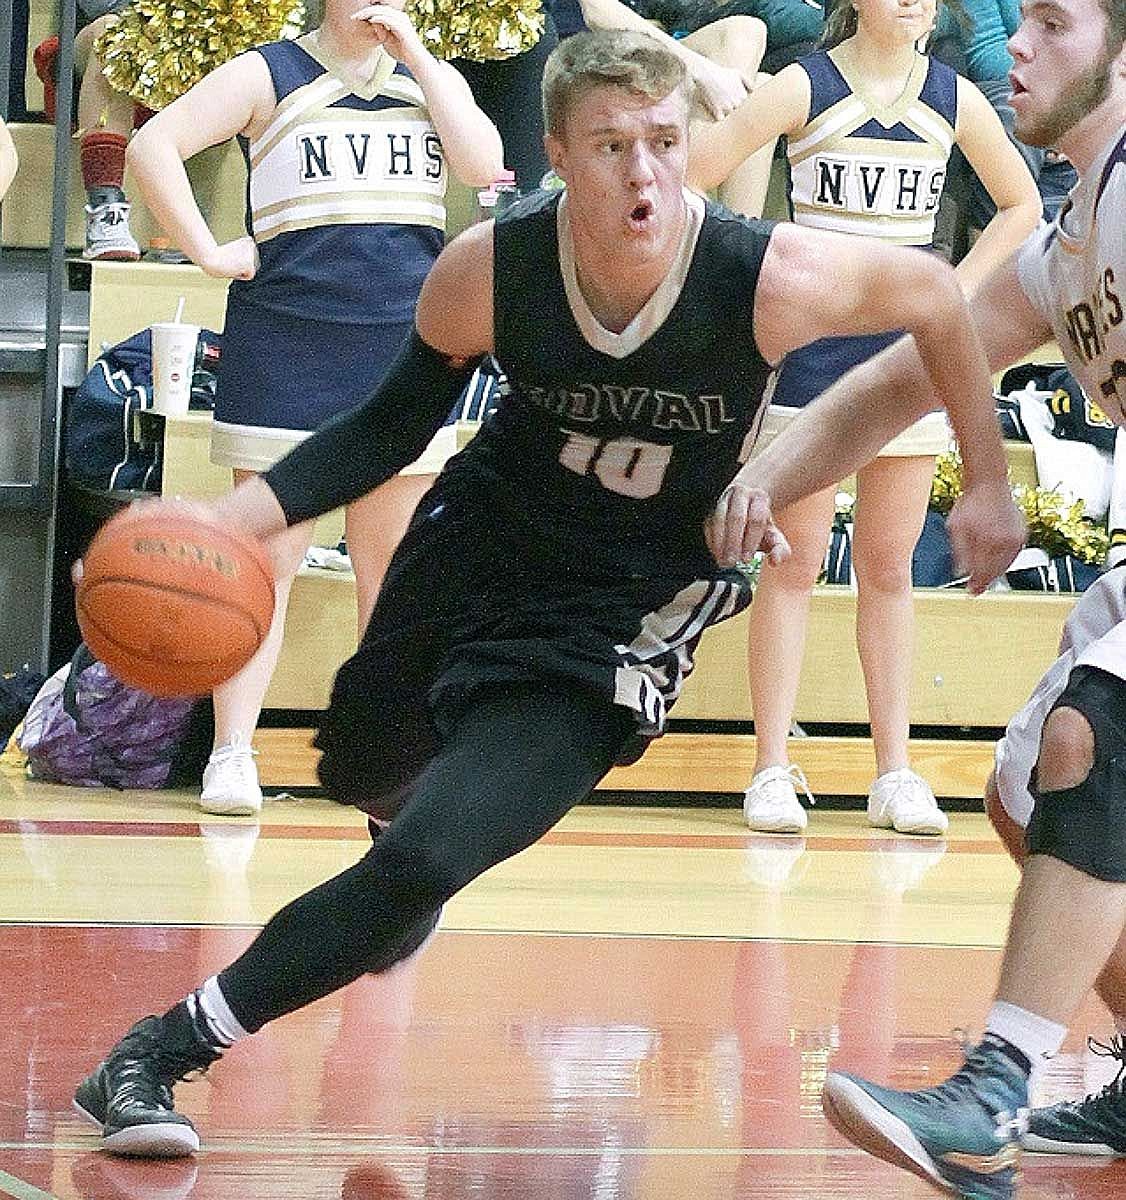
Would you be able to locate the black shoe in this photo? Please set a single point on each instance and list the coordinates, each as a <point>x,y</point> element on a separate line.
<point>129,1095</point>
<point>1096,1125</point>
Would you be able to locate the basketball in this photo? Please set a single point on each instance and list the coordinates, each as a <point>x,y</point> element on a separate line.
<point>172,603</point>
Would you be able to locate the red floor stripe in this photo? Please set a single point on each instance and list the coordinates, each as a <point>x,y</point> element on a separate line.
<point>659,841</point>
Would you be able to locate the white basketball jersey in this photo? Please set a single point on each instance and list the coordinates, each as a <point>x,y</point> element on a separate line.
<point>1074,272</point>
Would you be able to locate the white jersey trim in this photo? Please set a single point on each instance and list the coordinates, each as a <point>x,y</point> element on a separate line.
<point>657,308</point>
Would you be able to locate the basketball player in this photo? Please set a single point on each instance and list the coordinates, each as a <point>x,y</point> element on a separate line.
<point>540,615</point>
<point>1061,764</point>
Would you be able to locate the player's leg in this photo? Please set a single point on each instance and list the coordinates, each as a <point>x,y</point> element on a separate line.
<point>892,497</point>
<point>1067,921</point>
<point>230,780</point>
<point>1010,832</point>
<point>373,527</point>
<point>739,42</point>
<point>778,622</point>
<point>1065,888</point>
<point>1096,1123</point>
<point>509,767</point>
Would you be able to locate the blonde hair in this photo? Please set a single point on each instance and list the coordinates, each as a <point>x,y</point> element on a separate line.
<point>623,58</point>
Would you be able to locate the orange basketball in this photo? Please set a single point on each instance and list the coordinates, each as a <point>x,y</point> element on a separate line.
<point>171,603</point>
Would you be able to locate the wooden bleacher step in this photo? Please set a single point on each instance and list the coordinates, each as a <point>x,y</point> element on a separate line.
<point>714,763</point>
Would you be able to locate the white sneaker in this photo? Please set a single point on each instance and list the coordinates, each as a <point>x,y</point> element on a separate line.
<point>230,781</point>
<point>771,803</point>
<point>107,233</point>
<point>903,801</point>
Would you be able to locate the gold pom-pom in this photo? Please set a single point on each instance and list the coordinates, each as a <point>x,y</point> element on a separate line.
<point>477,31</point>
<point>946,486</point>
<point>155,50</point>
<point>1058,527</point>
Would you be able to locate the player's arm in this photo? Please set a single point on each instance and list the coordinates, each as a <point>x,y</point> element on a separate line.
<point>355,452</point>
<point>234,98</point>
<point>1006,178</point>
<point>779,106</point>
<point>846,285</point>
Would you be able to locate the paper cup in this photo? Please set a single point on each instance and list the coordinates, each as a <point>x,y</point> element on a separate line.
<point>173,363</point>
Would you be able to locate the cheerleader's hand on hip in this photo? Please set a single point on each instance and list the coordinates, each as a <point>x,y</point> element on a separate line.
<point>232,260</point>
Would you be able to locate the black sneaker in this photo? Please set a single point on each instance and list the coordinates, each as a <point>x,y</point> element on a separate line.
<point>129,1095</point>
<point>1096,1125</point>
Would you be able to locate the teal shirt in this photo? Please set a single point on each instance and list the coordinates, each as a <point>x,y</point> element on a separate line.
<point>993,22</point>
<point>789,21</point>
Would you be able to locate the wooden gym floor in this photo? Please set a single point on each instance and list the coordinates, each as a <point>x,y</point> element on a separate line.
<point>641,1007</point>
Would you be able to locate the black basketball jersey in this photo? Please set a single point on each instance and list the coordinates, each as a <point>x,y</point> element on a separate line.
<point>622,452</point>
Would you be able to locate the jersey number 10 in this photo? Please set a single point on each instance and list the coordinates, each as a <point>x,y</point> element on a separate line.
<point>623,465</point>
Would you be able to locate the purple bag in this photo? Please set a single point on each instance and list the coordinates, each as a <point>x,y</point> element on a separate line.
<point>88,729</point>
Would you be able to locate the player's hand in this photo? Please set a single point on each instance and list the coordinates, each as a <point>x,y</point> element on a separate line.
<point>232,260</point>
<point>721,89</point>
<point>742,524</point>
<point>987,531</point>
<point>394,31</point>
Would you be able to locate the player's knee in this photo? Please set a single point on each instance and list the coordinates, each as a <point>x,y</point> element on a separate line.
<point>348,781</point>
<point>1067,750</point>
<point>421,876</point>
<point>1079,785</point>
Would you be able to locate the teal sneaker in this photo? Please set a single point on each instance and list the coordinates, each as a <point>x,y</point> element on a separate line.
<point>1096,1125</point>
<point>962,1136</point>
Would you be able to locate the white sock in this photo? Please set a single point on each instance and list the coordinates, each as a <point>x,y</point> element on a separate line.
<point>1035,1037</point>
<point>209,1003</point>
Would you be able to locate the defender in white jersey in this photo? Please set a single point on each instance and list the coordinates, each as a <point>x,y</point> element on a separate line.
<point>1062,765</point>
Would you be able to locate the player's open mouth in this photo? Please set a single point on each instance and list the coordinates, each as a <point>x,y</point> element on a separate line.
<point>1018,88</point>
<point>640,213</point>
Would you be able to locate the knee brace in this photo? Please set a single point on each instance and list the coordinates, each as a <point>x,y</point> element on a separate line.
<point>1085,826</point>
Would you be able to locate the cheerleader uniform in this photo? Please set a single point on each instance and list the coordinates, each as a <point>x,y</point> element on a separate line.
<point>345,201</point>
<point>858,166</point>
